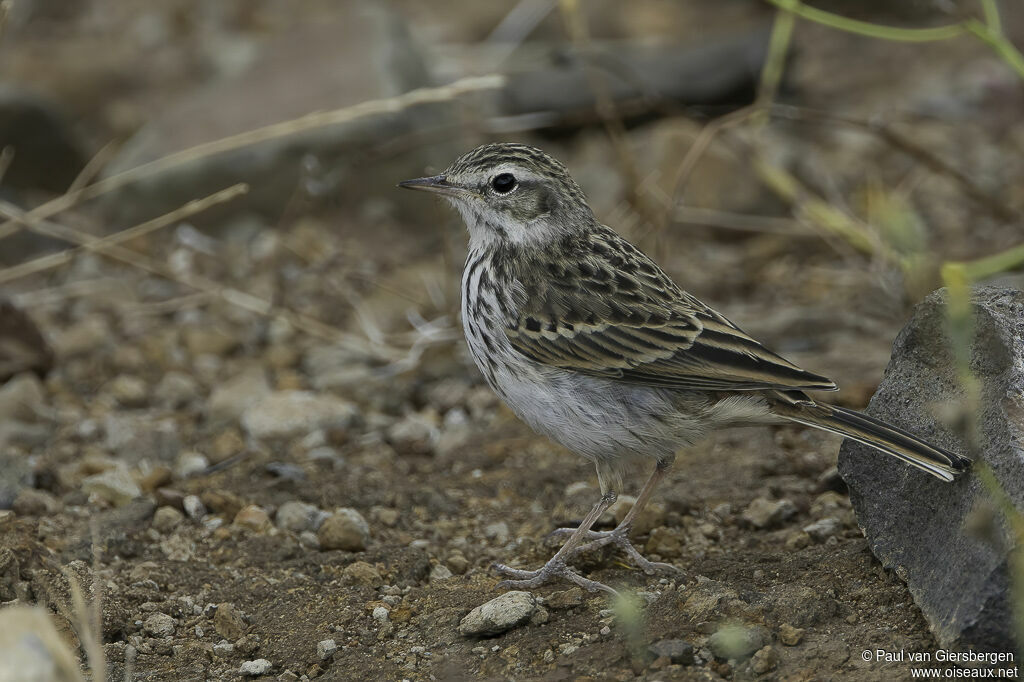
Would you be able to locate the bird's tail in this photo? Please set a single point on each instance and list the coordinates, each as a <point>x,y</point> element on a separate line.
<point>885,437</point>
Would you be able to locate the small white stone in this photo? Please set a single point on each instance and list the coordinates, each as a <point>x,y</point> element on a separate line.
<point>260,666</point>
<point>380,614</point>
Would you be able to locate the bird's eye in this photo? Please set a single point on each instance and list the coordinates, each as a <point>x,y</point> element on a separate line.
<point>503,183</point>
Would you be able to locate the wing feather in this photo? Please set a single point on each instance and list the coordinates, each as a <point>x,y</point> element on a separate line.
<point>601,307</point>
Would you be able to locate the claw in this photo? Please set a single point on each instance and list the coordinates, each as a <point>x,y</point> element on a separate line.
<point>620,538</point>
<point>554,568</point>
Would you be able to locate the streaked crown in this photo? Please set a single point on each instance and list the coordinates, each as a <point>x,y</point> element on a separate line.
<point>511,194</point>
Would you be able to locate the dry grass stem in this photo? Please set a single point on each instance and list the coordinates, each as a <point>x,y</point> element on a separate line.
<point>87,242</point>
<point>277,130</point>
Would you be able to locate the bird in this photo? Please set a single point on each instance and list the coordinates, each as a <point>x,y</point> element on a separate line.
<point>592,344</point>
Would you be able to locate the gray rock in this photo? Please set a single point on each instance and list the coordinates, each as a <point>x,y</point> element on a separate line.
<point>290,413</point>
<point>344,529</point>
<point>500,614</point>
<point>916,523</point>
<point>326,648</point>
<point>678,651</point>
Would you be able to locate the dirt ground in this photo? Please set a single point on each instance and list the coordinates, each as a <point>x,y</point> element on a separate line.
<point>174,428</point>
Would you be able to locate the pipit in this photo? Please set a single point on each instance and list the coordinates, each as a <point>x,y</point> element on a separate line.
<point>589,342</point>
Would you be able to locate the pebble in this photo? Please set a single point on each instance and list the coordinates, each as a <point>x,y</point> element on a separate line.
<point>114,485</point>
<point>175,390</point>
<point>128,390</point>
<point>159,625</point>
<point>228,622</point>
<point>362,573</point>
<point>194,507</point>
<point>260,666</point>
<point>764,659</point>
<point>298,516</point>
<point>440,572</point>
<point>231,398</point>
<point>497,531</point>
<point>500,614</point>
<point>326,648</point>
<point>223,648</point>
<point>33,502</point>
<point>764,513</point>
<point>738,642</point>
<point>166,519</point>
<point>789,635</point>
<point>677,651</point>
<point>823,529</point>
<point>253,517</point>
<point>380,614</point>
<point>565,599</point>
<point>285,414</point>
<point>457,562</point>
<point>189,463</point>
<point>412,435</point>
<point>22,398</point>
<point>345,529</point>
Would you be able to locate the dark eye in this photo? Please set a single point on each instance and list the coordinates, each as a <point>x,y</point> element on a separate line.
<point>503,183</point>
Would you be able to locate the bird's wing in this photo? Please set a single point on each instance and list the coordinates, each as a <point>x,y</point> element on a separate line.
<point>601,307</point>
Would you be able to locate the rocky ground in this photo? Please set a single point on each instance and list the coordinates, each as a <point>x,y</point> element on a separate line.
<point>245,499</point>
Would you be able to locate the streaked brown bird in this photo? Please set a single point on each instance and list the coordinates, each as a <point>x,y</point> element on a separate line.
<point>589,342</point>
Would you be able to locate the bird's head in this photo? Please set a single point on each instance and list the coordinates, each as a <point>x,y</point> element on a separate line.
<point>511,194</point>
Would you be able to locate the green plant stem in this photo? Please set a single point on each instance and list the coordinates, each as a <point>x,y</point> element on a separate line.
<point>1006,50</point>
<point>778,46</point>
<point>864,28</point>
<point>987,266</point>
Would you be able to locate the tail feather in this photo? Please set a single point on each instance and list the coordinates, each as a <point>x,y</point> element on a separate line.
<point>889,439</point>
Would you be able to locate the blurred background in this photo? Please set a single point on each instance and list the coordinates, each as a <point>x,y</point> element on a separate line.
<point>213,292</point>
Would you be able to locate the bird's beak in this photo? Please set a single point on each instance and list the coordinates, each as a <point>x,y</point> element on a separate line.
<point>436,183</point>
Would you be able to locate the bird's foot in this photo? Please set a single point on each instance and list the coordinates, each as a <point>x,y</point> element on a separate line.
<point>619,537</point>
<point>554,568</point>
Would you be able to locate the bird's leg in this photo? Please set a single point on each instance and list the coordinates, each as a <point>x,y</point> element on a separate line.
<point>619,536</point>
<point>556,566</point>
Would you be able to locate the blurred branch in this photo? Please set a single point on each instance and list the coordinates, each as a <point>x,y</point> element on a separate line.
<point>805,202</point>
<point>925,156</point>
<point>742,222</point>
<point>93,167</point>
<point>6,157</point>
<point>576,25</point>
<point>99,243</point>
<point>276,130</point>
